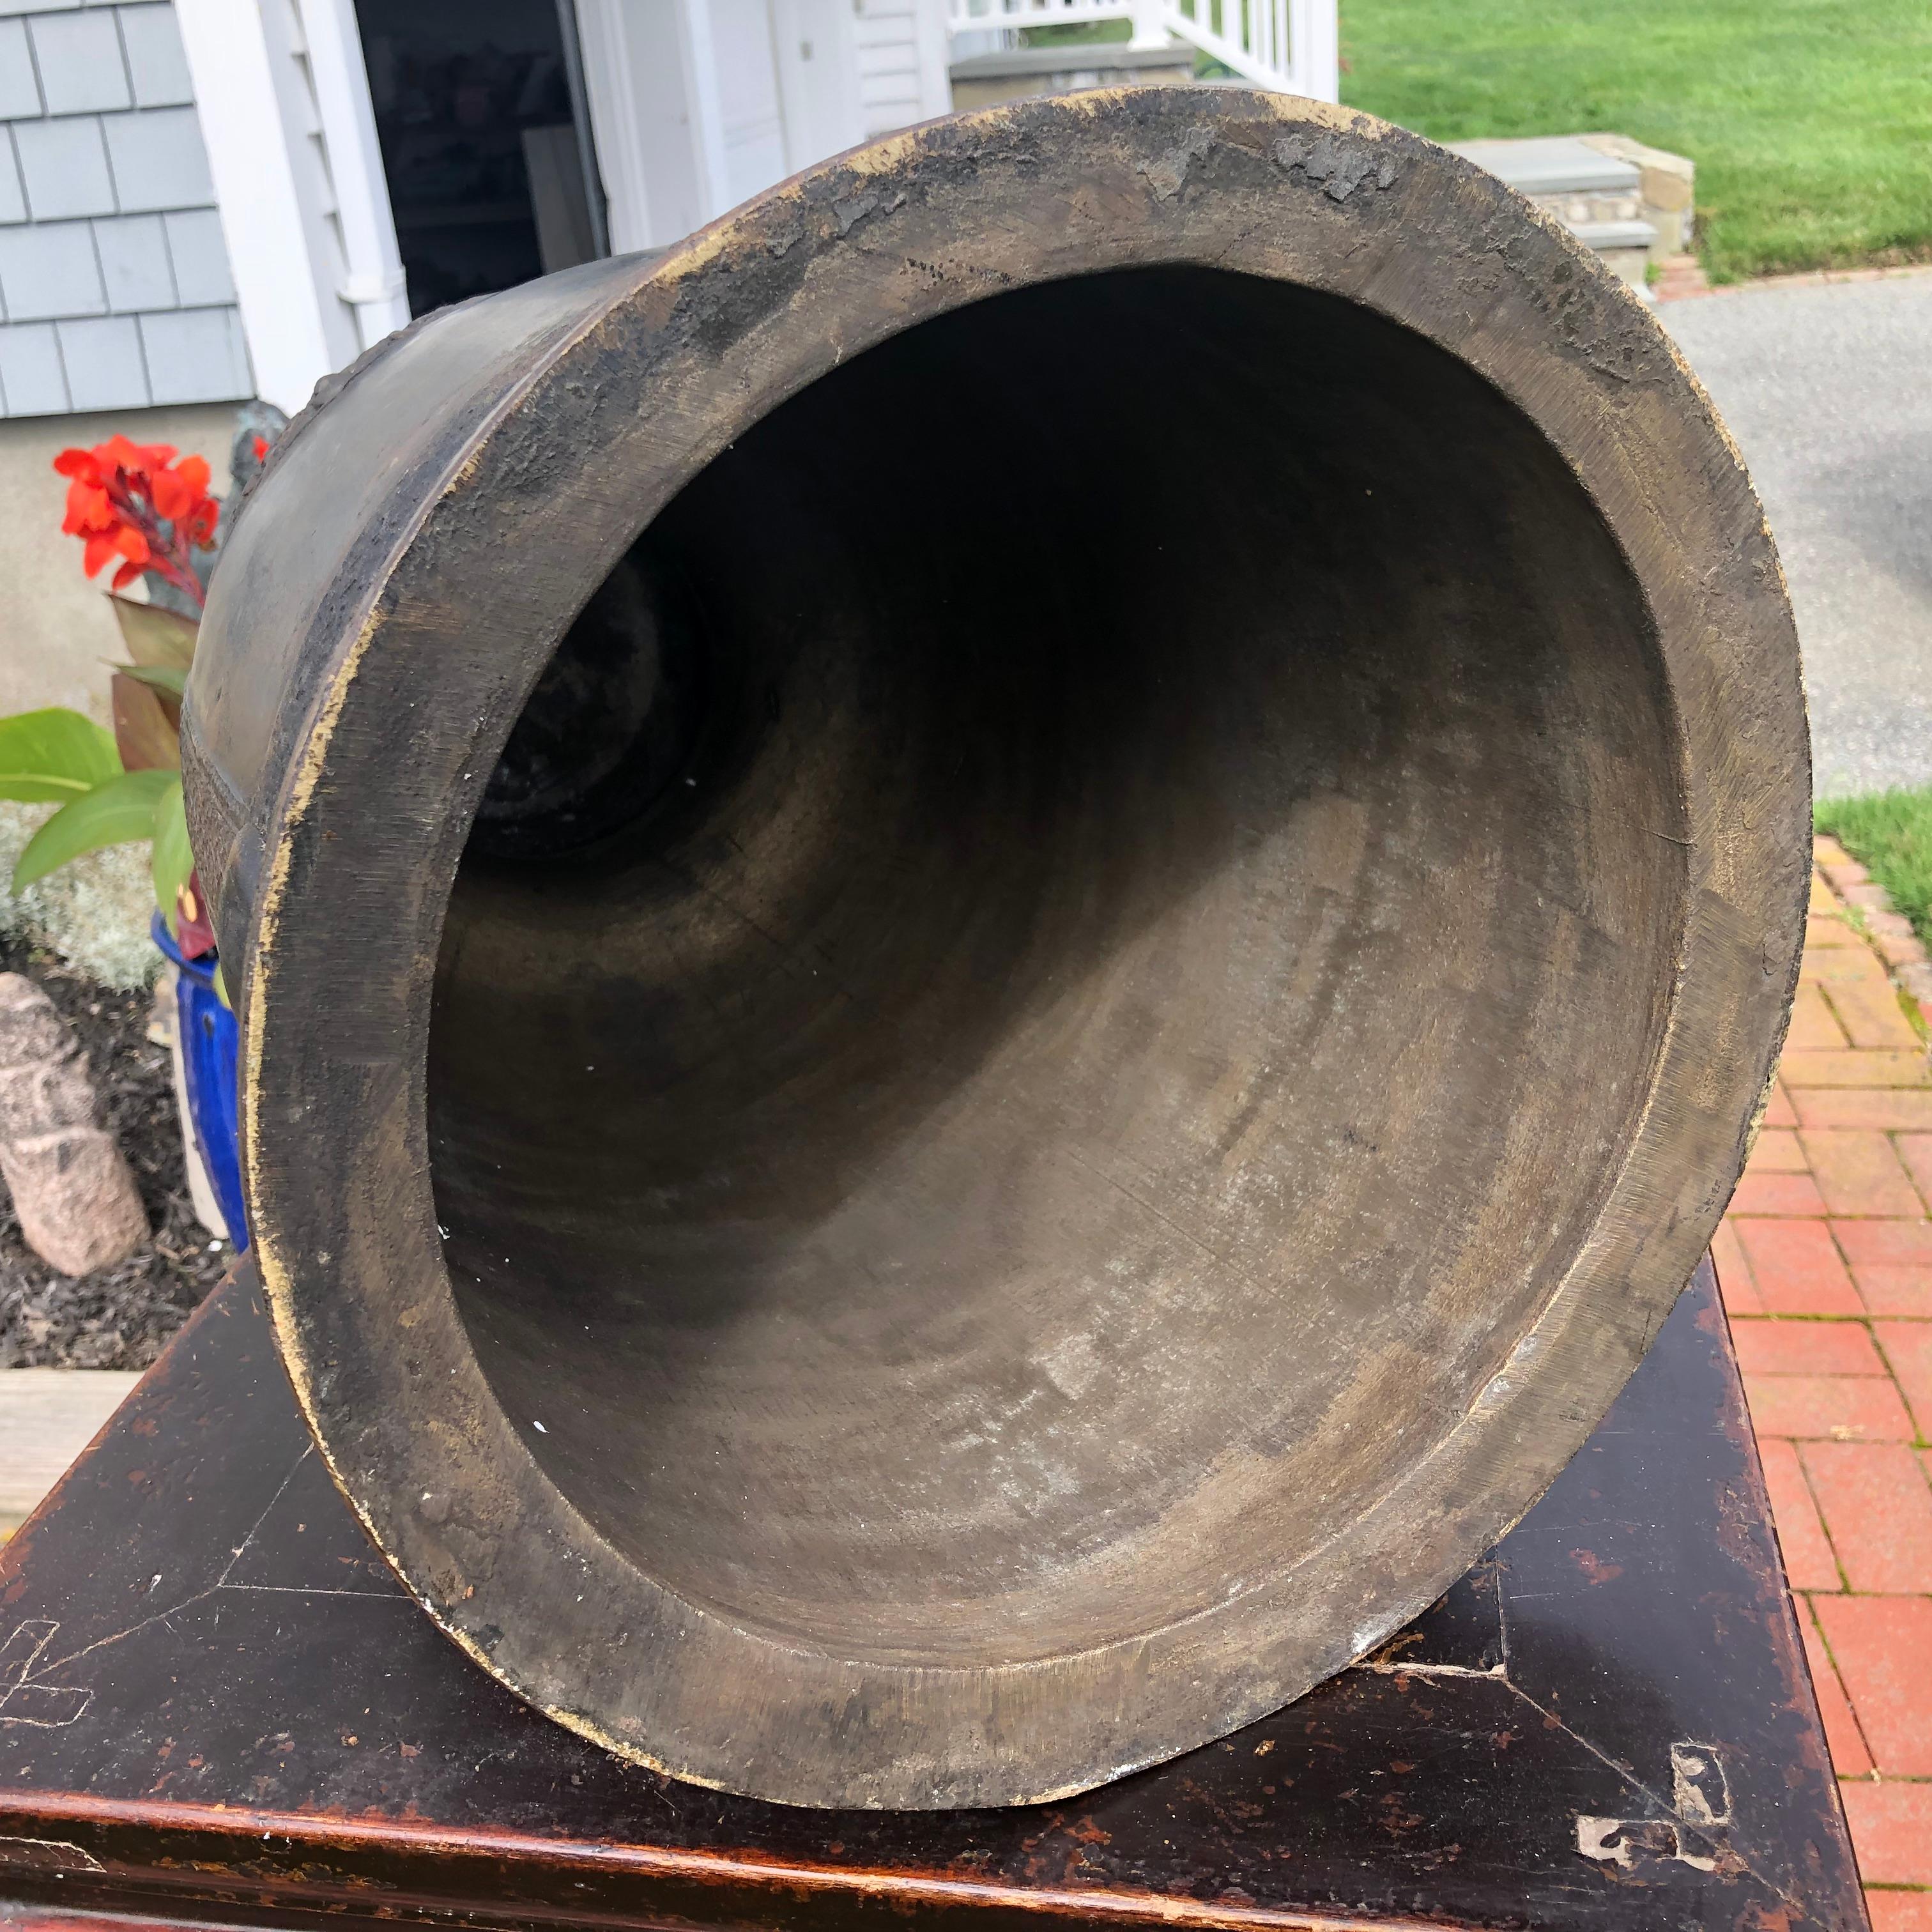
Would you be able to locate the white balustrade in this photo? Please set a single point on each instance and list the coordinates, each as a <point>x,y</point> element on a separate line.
<point>1288,45</point>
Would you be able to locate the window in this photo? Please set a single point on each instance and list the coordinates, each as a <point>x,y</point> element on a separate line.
<point>479,112</point>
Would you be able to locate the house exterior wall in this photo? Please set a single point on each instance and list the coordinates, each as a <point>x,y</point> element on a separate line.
<point>696,105</point>
<point>748,97</point>
<point>902,59</point>
<point>116,292</point>
<point>291,143</point>
<point>59,633</point>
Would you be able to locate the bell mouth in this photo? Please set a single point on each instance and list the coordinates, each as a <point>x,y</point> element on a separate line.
<point>1056,971</point>
<point>1002,937</point>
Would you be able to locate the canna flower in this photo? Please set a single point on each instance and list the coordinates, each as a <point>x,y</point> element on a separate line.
<point>134,503</point>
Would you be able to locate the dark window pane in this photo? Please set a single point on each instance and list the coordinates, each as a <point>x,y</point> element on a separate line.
<point>473,112</point>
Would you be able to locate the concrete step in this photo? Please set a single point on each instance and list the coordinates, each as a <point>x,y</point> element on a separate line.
<point>1632,205</point>
<point>47,1417</point>
<point>1065,66</point>
<point>1553,164</point>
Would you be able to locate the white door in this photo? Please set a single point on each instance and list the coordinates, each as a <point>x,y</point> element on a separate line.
<point>902,61</point>
<point>818,77</point>
<point>656,120</point>
<point>697,105</point>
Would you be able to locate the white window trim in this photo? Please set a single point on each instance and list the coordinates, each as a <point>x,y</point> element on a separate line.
<point>650,72</point>
<point>239,106</point>
<point>374,286</point>
<point>288,299</point>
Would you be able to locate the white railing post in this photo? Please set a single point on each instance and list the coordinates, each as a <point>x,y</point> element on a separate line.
<point>1315,54</point>
<point>1150,18</point>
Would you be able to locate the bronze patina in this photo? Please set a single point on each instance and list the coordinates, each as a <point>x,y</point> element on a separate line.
<point>1001,937</point>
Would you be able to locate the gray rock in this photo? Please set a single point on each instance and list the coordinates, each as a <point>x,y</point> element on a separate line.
<point>72,1190</point>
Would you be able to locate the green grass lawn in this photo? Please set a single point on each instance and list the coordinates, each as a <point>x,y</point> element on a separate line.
<point>1890,834</point>
<point>1810,120</point>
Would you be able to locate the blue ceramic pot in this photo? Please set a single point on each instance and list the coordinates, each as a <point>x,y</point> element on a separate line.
<point>209,1039</point>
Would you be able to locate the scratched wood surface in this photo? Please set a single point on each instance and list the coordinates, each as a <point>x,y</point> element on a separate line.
<point>216,1704</point>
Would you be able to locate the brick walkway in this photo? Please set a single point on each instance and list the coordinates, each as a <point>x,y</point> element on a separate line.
<point>1826,1260</point>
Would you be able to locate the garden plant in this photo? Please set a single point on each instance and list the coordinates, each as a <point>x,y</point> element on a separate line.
<point>148,511</point>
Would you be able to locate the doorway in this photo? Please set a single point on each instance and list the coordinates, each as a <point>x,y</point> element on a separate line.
<point>485,140</point>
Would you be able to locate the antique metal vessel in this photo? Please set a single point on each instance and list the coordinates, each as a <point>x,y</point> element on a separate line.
<point>1001,938</point>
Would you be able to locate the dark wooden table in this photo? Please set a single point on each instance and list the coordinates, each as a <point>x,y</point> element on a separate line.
<point>217,1706</point>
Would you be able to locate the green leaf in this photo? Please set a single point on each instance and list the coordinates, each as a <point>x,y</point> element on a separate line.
<point>113,814</point>
<point>154,635</point>
<point>174,858</point>
<point>55,754</point>
<point>157,677</point>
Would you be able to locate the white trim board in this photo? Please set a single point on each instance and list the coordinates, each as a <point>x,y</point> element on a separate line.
<point>373,285</point>
<point>240,110</point>
<point>283,104</point>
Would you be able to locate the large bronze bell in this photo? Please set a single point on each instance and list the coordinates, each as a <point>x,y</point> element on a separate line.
<point>1001,936</point>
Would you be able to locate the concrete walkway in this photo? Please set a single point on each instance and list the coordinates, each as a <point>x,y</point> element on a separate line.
<point>47,1417</point>
<point>1825,1262</point>
<point>1828,388</point>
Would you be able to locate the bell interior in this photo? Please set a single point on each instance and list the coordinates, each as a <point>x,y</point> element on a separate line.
<point>1056,969</point>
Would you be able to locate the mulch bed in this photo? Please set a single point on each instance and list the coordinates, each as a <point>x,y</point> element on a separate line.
<point>119,1317</point>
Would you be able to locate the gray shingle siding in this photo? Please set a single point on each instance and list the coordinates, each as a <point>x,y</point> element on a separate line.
<point>115,291</point>
<point>80,64</point>
<point>200,258</point>
<point>13,196</point>
<point>30,371</point>
<point>49,269</point>
<point>103,363</point>
<point>133,251</point>
<point>195,355</point>
<point>156,65</point>
<point>64,163</point>
<point>20,85</point>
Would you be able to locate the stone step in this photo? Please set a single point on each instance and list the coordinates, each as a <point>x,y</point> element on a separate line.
<point>1065,66</point>
<point>1556,164</point>
<point>47,1417</point>
<point>1632,205</point>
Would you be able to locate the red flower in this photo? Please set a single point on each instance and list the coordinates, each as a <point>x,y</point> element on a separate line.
<point>133,501</point>
<point>177,492</point>
<point>193,933</point>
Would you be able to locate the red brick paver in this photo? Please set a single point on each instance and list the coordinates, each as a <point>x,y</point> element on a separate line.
<point>1811,1348</point>
<point>1778,1194</point>
<point>1916,1151</point>
<point>1796,1266</point>
<point>1825,1262</point>
<point>1858,1171</point>
<point>1882,1647</point>
<point>1892,1829</point>
<point>1890,1109</point>
<point>1869,1012</point>
<point>1877,1507</point>
<point>1778,1151</point>
<point>1830,1409</point>
<point>1891,1262</point>
<point>1908,1348</point>
<point>1900,1911</point>
<point>1808,1560</point>
<point>1849,1754</point>
<point>1813,1025</point>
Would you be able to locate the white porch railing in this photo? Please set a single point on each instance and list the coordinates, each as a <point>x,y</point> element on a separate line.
<point>1287,45</point>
